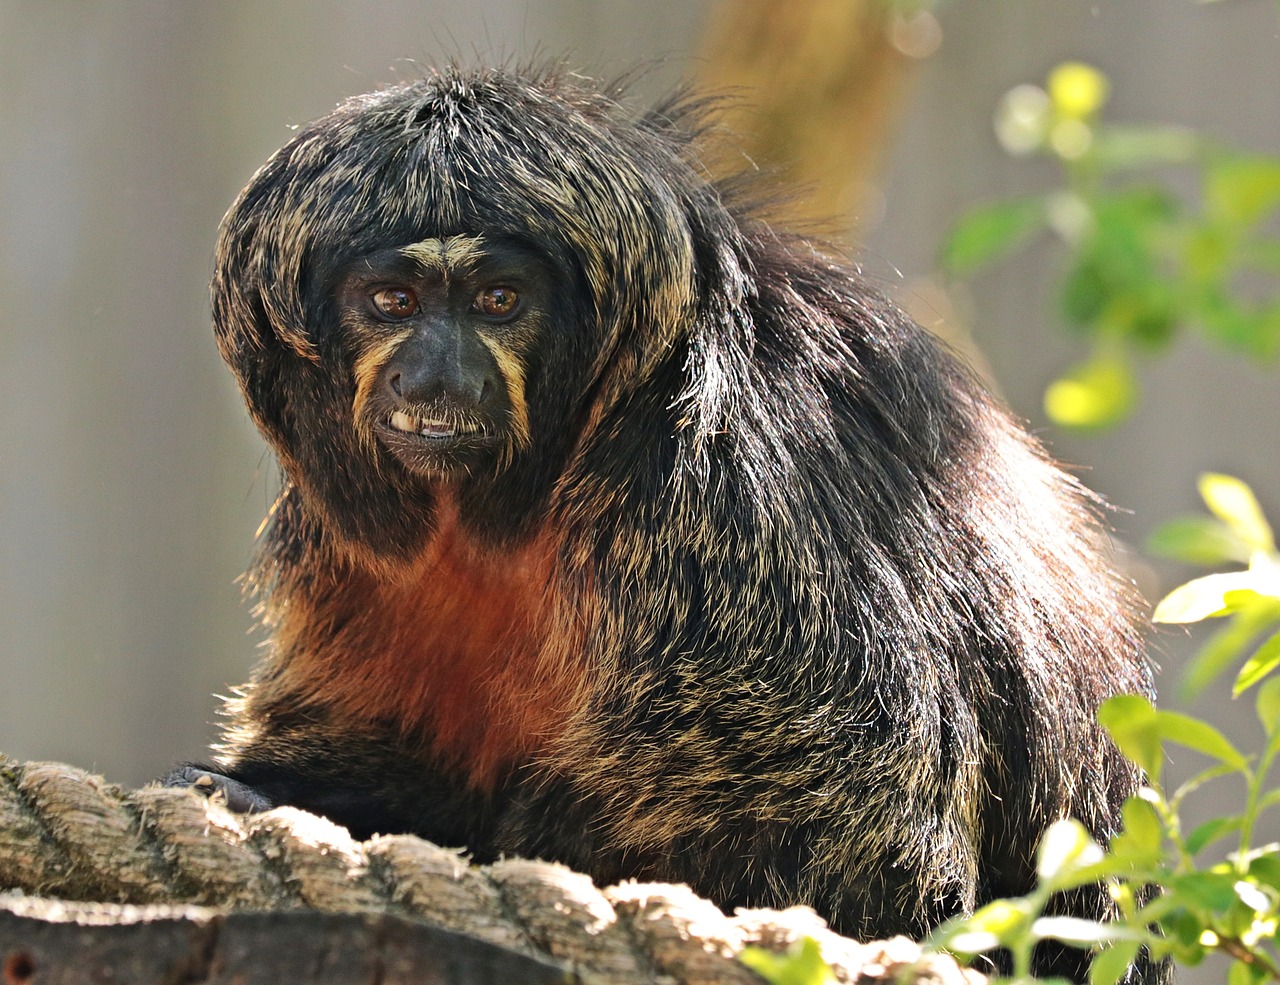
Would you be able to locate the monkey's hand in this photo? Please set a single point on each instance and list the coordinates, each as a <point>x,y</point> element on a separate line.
<point>239,797</point>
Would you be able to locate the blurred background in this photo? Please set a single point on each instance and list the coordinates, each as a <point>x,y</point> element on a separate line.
<point>131,481</point>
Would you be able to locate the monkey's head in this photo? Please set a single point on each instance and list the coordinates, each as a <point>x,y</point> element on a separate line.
<point>437,287</point>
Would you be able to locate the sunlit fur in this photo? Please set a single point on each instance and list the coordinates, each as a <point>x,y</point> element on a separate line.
<point>769,596</point>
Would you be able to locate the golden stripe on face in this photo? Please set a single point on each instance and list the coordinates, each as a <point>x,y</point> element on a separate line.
<point>511,368</point>
<point>368,366</point>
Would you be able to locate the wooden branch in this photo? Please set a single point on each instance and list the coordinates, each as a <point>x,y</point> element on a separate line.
<point>68,834</point>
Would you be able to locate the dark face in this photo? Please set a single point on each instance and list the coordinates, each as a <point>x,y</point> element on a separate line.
<point>440,332</point>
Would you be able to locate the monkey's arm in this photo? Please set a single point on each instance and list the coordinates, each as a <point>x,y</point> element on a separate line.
<point>369,784</point>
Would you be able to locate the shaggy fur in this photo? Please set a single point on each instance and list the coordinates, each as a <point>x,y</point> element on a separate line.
<point>749,586</point>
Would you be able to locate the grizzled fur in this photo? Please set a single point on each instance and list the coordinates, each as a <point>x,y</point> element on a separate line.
<point>762,593</point>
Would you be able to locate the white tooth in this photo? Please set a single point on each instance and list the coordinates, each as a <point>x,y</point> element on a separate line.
<point>403,422</point>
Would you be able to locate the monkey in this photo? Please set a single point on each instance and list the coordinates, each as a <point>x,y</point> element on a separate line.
<point>621,528</point>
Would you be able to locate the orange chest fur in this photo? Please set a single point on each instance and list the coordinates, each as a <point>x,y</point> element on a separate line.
<point>476,651</point>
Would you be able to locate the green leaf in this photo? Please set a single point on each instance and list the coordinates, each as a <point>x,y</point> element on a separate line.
<point>1193,733</point>
<point>1094,394</point>
<point>1066,845</point>
<point>1002,918</point>
<point>1263,343</point>
<point>1131,228</point>
<point>1235,505</point>
<point>1131,721</point>
<point>1085,290</point>
<point>1118,270</point>
<point>1258,666</point>
<point>1110,964</point>
<point>1207,597</point>
<point>802,965</point>
<point>1184,926</point>
<point>1269,704</point>
<point>1235,323</point>
<point>1198,540</point>
<point>1140,842</point>
<point>990,232</point>
<point>1207,253</point>
<point>1226,647</point>
<point>1206,834</point>
<point>1214,892</point>
<point>1266,869</point>
<point>1240,190</point>
<point>1143,313</point>
<point>1142,824</point>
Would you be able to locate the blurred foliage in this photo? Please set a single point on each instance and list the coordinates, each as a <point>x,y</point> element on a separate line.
<point>1141,263</point>
<point>802,965</point>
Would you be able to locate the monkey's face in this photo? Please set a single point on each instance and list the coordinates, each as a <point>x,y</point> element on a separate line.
<point>440,332</point>
<point>450,283</point>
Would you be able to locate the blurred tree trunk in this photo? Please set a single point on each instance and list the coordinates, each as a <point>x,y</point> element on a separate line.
<point>813,88</point>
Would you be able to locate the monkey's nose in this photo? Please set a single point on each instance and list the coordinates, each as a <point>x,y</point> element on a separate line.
<point>464,390</point>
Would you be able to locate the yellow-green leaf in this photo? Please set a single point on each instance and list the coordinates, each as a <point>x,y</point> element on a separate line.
<point>1211,890</point>
<point>1206,834</point>
<point>1242,189</point>
<point>1001,918</point>
<point>1131,720</point>
<point>802,965</point>
<point>1140,842</point>
<point>1198,540</point>
<point>1204,598</point>
<point>1111,964</point>
<point>1066,845</point>
<point>1226,648</point>
<point>1193,733</point>
<point>1233,502</point>
<point>988,232</point>
<point>1264,660</point>
<point>1095,394</point>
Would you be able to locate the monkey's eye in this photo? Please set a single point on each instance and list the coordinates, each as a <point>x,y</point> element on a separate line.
<point>396,303</point>
<point>497,302</point>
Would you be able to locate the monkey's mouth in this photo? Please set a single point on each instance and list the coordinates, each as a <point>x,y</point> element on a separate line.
<point>435,441</point>
<point>433,428</point>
